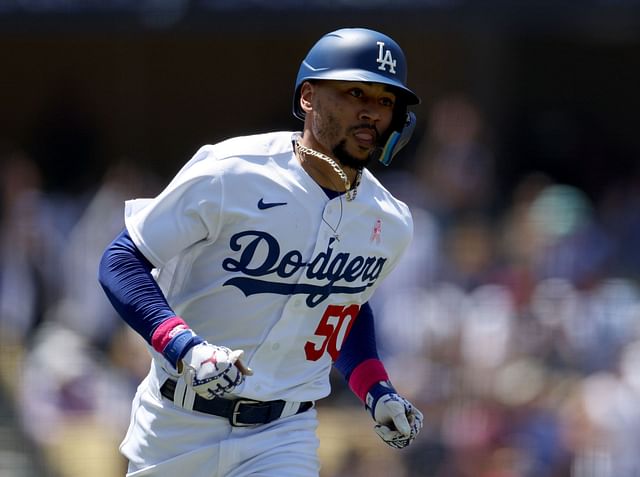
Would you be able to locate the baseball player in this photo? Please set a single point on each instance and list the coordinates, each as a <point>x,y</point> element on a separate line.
<point>249,276</point>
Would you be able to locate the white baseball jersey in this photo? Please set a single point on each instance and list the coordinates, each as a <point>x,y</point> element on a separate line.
<point>253,255</point>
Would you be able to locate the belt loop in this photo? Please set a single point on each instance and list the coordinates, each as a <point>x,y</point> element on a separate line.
<point>290,408</point>
<point>184,396</point>
<point>189,398</point>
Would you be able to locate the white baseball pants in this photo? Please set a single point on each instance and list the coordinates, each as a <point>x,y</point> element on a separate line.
<point>164,440</point>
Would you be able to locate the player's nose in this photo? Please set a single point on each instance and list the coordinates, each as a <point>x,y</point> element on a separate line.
<point>369,112</point>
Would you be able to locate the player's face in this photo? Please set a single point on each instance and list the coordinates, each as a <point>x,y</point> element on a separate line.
<point>350,119</point>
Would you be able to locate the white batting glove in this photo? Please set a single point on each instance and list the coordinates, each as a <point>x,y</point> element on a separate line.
<point>213,371</point>
<point>398,421</point>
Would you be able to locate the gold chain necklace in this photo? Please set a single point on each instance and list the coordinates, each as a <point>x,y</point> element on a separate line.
<point>350,192</point>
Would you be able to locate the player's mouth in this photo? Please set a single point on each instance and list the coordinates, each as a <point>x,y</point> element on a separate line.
<point>365,136</point>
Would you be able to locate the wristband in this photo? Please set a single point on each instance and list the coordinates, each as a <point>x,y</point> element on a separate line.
<point>365,375</point>
<point>173,338</point>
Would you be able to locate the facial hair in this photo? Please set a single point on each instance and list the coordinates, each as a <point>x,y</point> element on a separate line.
<point>347,160</point>
<point>327,128</point>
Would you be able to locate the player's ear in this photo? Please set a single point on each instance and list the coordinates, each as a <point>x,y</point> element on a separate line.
<point>306,96</point>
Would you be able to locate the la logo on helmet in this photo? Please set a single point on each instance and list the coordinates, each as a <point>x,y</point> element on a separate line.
<point>385,59</point>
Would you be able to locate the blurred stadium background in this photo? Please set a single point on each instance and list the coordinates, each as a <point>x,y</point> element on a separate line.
<point>514,323</point>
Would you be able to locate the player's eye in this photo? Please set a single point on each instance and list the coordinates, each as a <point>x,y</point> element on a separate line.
<point>356,92</point>
<point>387,102</point>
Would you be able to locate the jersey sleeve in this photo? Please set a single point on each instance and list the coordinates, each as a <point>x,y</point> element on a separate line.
<point>186,212</point>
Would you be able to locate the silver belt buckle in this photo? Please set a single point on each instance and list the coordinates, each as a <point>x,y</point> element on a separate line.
<point>233,419</point>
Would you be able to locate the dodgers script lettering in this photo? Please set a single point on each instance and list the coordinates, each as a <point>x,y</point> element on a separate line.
<point>327,268</point>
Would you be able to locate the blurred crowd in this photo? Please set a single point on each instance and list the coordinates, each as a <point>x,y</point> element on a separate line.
<point>513,322</point>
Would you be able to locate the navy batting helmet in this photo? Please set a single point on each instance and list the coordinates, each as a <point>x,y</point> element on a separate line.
<point>360,54</point>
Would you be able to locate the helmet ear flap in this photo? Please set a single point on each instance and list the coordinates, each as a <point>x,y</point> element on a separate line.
<point>398,138</point>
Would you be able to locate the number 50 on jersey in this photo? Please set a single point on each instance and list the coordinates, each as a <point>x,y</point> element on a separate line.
<point>331,332</point>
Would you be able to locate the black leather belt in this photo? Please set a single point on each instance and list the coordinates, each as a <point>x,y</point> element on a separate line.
<point>239,412</point>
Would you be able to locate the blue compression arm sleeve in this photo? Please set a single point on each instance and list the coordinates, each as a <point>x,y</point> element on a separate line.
<point>360,344</point>
<point>125,276</point>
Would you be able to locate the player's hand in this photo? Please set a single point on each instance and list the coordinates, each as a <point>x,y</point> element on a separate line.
<point>213,371</point>
<point>398,421</point>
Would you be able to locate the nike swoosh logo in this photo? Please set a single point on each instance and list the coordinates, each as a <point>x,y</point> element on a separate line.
<point>262,205</point>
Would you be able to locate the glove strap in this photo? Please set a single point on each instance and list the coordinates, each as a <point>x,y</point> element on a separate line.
<point>173,338</point>
<point>376,391</point>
